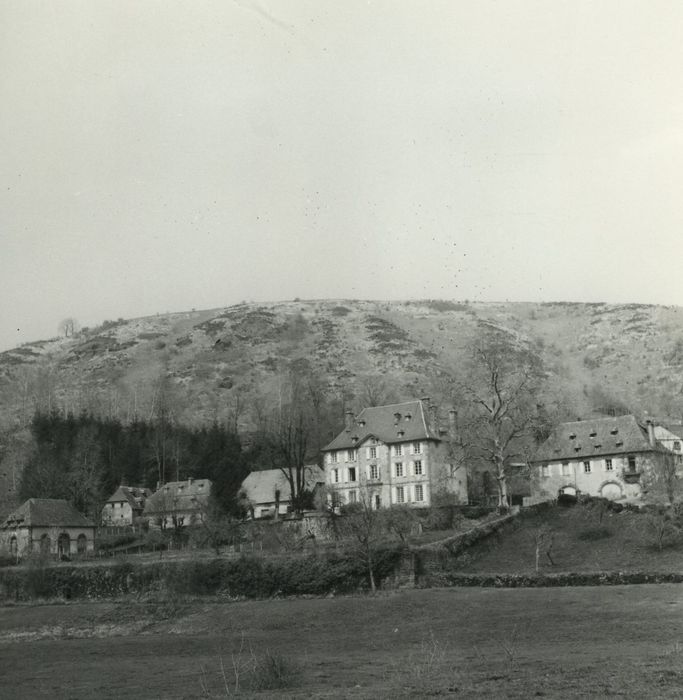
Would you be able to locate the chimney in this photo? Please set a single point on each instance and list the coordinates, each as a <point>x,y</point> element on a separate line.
<point>397,418</point>
<point>651,432</point>
<point>348,420</point>
<point>189,481</point>
<point>433,418</point>
<point>452,421</point>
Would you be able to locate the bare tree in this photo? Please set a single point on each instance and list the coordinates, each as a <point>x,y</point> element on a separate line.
<point>662,481</point>
<point>363,527</point>
<point>68,327</point>
<point>501,416</point>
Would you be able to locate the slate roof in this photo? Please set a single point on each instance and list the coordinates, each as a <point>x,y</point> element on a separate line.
<point>380,422</point>
<point>260,486</point>
<point>46,512</point>
<point>593,438</point>
<point>179,496</point>
<point>134,495</point>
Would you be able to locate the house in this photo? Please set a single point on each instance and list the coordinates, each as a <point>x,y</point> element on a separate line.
<point>178,503</point>
<point>268,490</point>
<point>49,525</point>
<point>670,435</point>
<point>395,454</point>
<point>601,457</point>
<point>125,506</point>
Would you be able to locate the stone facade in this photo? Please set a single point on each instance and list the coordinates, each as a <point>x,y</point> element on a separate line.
<point>391,455</point>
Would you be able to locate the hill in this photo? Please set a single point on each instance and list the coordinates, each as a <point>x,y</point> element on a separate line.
<point>221,362</point>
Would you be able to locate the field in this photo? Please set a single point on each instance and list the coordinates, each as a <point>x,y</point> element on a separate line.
<point>584,539</point>
<point>474,643</point>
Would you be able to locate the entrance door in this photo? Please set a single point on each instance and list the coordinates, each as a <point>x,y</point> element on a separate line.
<point>63,545</point>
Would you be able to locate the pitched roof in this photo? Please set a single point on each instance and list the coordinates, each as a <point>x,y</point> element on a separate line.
<point>398,422</point>
<point>260,486</point>
<point>180,496</point>
<point>135,495</point>
<point>592,438</point>
<point>46,512</point>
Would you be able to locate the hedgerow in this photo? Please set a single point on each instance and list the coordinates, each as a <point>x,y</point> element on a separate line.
<point>244,577</point>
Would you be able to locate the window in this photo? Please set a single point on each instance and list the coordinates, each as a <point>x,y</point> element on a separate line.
<point>352,473</point>
<point>400,496</point>
<point>333,457</point>
<point>378,501</point>
<point>13,548</point>
<point>545,470</point>
<point>566,471</point>
<point>350,455</point>
<point>586,467</point>
<point>608,465</point>
<point>374,471</point>
<point>373,453</point>
<point>353,497</point>
<point>335,476</point>
<point>399,468</point>
<point>417,448</point>
<point>419,492</point>
<point>398,450</point>
<point>631,463</point>
<point>677,445</point>
<point>418,467</point>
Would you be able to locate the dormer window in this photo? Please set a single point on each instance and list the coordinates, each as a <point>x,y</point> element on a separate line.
<point>614,431</point>
<point>354,439</point>
<point>592,433</point>
<point>397,417</point>
<point>408,416</point>
<point>361,423</point>
<point>619,443</point>
<point>572,436</point>
<point>577,448</point>
<point>597,445</point>
<point>401,433</point>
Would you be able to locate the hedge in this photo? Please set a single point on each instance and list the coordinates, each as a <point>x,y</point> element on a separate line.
<point>243,577</point>
<point>612,578</point>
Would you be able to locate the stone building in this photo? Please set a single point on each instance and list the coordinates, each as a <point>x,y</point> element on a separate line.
<point>125,506</point>
<point>601,457</point>
<point>394,455</point>
<point>178,504</point>
<point>49,525</point>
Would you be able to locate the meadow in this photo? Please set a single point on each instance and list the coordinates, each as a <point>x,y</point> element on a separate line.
<point>624,641</point>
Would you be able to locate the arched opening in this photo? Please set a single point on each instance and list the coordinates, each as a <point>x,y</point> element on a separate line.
<point>63,545</point>
<point>568,490</point>
<point>13,546</point>
<point>611,490</point>
<point>82,544</point>
<point>45,544</point>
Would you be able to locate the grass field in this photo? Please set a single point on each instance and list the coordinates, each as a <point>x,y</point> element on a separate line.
<point>473,643</point>
<point>582,541</point>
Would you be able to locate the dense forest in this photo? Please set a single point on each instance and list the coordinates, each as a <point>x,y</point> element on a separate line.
<point>84,458</point>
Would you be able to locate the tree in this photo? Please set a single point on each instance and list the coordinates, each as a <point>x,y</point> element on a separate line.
<point>662,482</point>
<point>363,526</point>
<point>500,416</point>
<point>68,327</point>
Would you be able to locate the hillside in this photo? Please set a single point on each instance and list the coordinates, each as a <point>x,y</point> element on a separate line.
<point>220,363</point>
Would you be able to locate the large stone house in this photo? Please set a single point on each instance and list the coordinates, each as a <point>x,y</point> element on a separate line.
<point>178,504</point>
<point>125,506</point>
<point>266,492</point>
<point>49,525</point>
<point>395,454</point>
<point>601,457</point>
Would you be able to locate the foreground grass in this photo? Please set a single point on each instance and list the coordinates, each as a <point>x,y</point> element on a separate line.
<point>471,643</point>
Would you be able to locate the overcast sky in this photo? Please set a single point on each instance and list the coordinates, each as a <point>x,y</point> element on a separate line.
<point>158,156</point>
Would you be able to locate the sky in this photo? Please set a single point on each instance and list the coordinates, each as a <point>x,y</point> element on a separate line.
<point>161,155</point>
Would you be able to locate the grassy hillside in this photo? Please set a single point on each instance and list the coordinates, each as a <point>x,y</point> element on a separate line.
<point>219,362</point>
<point>585,538</point>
